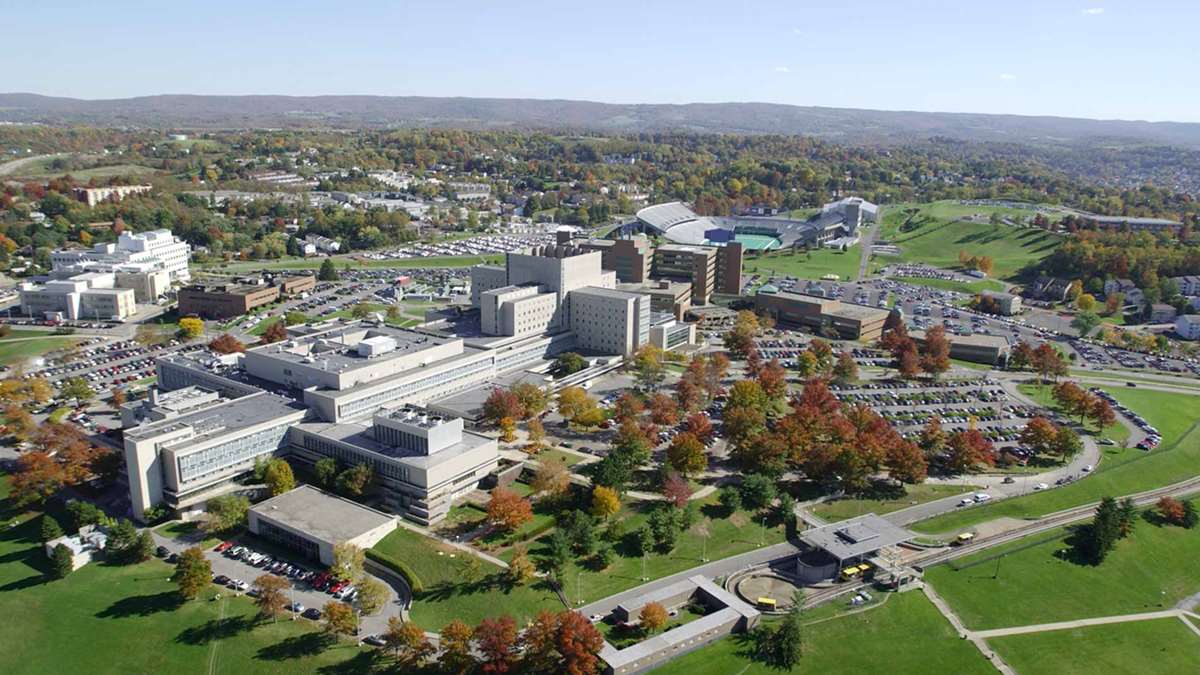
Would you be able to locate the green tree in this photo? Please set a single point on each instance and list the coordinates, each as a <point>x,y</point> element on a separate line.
<point>782,646</point>
<point>347,561</point>
<point>372,595</point>
<point>326,470</point>
<point>62,563</point>
<point>1085,321</point>
<point>569,363</point>
<point>50,528</point>
<point>295,318</point>
<point>758,491</point>
<point>278,476</point>
<point>226,513</point>
<point>193,572</point>
<point>77,388</point>
<point>354,481</point>
<point>1190,517</point>
<point>730,498</point>
<point>1101,536</point>
<point>122,539</point>
<point>327,272</point>
<point>144,549</point>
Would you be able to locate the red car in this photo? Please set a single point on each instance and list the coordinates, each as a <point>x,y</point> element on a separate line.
<point>223,546</point>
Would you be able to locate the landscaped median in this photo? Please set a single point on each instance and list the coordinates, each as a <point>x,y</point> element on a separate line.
<point>1121,472</point>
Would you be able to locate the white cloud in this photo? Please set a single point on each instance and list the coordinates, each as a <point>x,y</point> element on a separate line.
<point>1007,76</point>
<point>798,31</point>
<point>782,69</point>
<point>1094,10</point>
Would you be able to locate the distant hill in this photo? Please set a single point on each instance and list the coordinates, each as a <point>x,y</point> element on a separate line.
<point>845,125</point>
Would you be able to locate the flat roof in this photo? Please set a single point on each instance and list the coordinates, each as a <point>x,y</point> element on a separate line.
<point>334,350</point>
<point>973,340</point>
<point>607,292</point>
<point>221,418</point>
<point>321,515</point>
<point>856,537</point>
<point>359,435</point>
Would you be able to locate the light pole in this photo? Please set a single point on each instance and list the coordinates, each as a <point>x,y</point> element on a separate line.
<point>644,577</point>
<point>578,587</point>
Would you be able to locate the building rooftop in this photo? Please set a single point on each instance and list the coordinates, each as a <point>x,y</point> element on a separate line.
<point>361,436</point>
<point>336,349</point>
<point>220,418</point>
<point>856,537</point>
<point>606,292</point>
<point>321,515</point>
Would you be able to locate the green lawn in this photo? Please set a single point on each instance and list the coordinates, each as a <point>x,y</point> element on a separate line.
<point>914,494</point>
<point>447,596</point>
<point>1122,472</point>
<point>936,235</point>
<point>15,348</point>
<point>969,287</point>
<point>812,265</point>
<point>904,636</point>
<point>556,455</point>
<point>262,326</point>
<point>341,261</point>
<point>727,536</point>
<point>1041,393</point>
<point>126,619</point>
<point>188,532</point>
<point>621,638</point>
<point>1037,584</point>
<point>1159,647</point>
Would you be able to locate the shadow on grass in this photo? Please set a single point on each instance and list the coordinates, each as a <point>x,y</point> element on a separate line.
<point>370,661</point>
<point>297,646</point>
<point>492,583</point>
<point>215,629</point>
<point>142,605</point>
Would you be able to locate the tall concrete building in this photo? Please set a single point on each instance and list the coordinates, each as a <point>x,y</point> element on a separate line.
<point>156,249</point>
<point>91,295</point>
<point>610,321</point>
<point>685,262</point>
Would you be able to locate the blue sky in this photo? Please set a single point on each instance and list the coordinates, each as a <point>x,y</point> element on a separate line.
<point>1096,58</point>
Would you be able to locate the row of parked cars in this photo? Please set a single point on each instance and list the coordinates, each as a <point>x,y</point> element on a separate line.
<point>1152,439</point>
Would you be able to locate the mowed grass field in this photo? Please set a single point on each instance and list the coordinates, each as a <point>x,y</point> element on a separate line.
<point>970,287</point>
<point>1158,647</point>
<point>904,636</point>
<point>120,619</point>
<point>812,265</point>
<point>937,234</point>
<point>447,595</point>
<point>1018,584</point>
<point>22,345</point>
<point>1122,472</point>
<point>842,509</point>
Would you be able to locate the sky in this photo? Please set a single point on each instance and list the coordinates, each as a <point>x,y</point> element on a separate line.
<point>1096,58</point>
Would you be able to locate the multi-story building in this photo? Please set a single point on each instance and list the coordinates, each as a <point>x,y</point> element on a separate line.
<point>95,195</point>
<point>91,295</point>
<point>423,462</point>
<point>669,297</point>
<point>1187,326</point>
<point>184,460</point>
<point>224,301</point>
<point>1006,304</point>
<point>1133,296</point>
<point>630,258</point>
<point>156,249</point>
<point>851,322</point>
<point>683,262</point>
<point>989,349</point>
<point>1161,312</point>
<point>610,321</point>
<point>1188,285</point>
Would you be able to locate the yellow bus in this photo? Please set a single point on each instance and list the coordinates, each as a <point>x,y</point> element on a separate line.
<point>964,538</point>
<point>854,571</point>
<point>766,603</point>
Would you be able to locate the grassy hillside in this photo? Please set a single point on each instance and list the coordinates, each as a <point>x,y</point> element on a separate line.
<point>935,233</point>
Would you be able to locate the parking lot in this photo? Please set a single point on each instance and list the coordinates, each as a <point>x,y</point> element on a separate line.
<point>235,566</point>
<point>481,245</point>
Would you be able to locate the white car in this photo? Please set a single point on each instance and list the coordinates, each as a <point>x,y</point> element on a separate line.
<point>982,497</point>
<point>966,501</point>
<point>1040,486</point>
<point>1087,468</point>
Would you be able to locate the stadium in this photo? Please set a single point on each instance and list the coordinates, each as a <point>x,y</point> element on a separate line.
<point>835,225</point>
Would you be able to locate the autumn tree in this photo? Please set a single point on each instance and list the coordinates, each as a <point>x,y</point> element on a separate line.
<point>508,430</point>
<point>338,618</point>
<point>532,399</point>
<point>371,594</point>
<point>1102,413</point>
<point>773,380</point>
<point>846,369</point>
<point>740,339</point>
<point>37,478</point>
<point>552,478</point>
<point>1039,434</point>
<point>574,403</point>
<point>1170,510</point>
<point>686,454</point>
<point>117,397</point>
<point>457,654</point>
<point>935,352</point>
<point>190,328</point>
<point>507,510</point>
<point>537,436</point>
<point>226,344</point>
<point>647,363</point>
<point>967,451</point>
<point>605,502</point>
<point>700,426</point>
<point>627,407</point>
<point>677,490</point>
<point>653,617</point>
<point>520,567</point>
<point>663,410</point>
<point>496,641</point>
<point>578,643</point>
<point>276,332</point>
<point>408,642</point>
<point>193,572</point>
<point>271,598</point>
<point>348,560</point>
<point>501,404</point>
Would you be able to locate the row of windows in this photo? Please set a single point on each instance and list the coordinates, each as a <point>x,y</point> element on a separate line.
<point>400,439</point>
<point>379,399</point>
<point>348,456</point>
<point>219,457</point>
<point>289,539</point>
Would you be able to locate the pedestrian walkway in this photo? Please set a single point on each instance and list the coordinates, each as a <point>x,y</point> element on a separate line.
<point>462,547</point>
<point>1083,623</point>
<point>975,639</point>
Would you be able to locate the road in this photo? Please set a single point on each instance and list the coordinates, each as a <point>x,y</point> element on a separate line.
<point>9,168</point>
<point>867,239</point>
